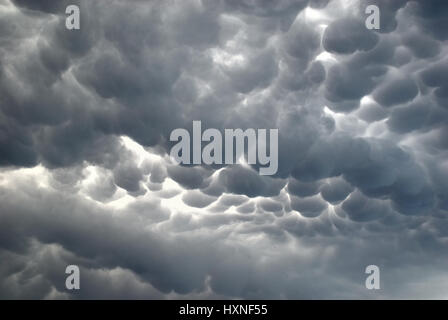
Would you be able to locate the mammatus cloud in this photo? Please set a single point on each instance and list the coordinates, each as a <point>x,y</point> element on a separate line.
<point>86,176</point>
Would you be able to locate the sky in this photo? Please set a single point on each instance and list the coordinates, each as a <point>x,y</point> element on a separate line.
<point>86,176</point>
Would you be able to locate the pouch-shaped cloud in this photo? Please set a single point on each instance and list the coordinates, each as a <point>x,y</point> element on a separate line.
<point>86,177</point>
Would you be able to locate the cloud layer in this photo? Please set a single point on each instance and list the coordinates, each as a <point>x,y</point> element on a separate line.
<point>86,177</point>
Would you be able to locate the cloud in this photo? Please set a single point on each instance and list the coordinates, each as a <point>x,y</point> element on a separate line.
<point>247,182</point>
<point>348,35</point>
<point>86,177</point>
<point>336,190</point>
<point>197,199</point>
<point>395,92</point>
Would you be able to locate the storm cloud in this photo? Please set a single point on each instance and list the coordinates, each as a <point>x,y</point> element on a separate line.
<point>86,177</point>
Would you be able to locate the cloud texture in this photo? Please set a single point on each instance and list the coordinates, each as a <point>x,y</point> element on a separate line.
<point>86,177</point>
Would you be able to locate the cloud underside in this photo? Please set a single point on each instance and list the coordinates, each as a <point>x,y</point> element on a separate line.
<point>86,177</point>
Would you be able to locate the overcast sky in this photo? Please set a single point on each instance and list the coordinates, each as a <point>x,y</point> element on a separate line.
<point>86,177</point>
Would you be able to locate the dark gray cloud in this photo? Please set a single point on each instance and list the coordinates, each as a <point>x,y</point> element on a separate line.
<point>86,178</point>
<point>348,35</point>
<point>198,199</point>
<point>240,180</point>
<point>396,91</point>
<point>303,189</point>
<point>309,207</point>
<point>336,190</point>
<point>188,177</point>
